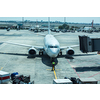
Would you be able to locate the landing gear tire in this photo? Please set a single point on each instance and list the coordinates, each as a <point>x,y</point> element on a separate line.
<point>60,53</point>
<point>41,53</point>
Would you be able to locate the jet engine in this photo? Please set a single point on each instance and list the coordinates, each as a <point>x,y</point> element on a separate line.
<point>32,51</point>
<point>70,52</point>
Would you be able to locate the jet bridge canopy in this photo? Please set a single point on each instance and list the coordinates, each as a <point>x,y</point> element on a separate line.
<point>88,44</point>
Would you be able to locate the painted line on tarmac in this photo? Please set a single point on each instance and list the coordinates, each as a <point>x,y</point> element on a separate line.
<point>73,68</point>
<point>55,74</point>
<point>94,75</point>
<point>1,68</point>
<point>55,69</point>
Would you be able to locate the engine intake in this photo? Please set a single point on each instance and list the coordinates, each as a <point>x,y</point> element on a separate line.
<point>70,51</point>
<point>32,51</point>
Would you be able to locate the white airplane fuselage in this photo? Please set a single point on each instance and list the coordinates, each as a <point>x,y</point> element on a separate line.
<point>51,46</point>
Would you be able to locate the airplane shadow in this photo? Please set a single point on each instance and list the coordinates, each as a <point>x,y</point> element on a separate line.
<point>14,54</point>
<point>45,58</point>
<point>84,54</point>
<point>72,57</point>
<point>87,68</point>
<point>1,43</point>
<point>66,57</point>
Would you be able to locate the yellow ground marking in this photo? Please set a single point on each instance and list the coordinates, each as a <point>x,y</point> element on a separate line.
<point>55,69</point>
<point>1,68</point>
<point>55,74</point>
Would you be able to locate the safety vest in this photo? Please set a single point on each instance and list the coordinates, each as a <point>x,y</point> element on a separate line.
<point>53,63</point>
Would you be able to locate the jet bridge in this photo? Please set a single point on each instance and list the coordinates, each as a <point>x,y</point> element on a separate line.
<point>88,44</point>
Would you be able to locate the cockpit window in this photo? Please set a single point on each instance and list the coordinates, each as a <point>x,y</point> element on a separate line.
<point>52,46</point>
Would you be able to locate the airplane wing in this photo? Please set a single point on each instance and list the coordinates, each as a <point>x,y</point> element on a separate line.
<point>40,34</point>
<point>65,47</point>
<point>57,34</point>
<point>24,45</point>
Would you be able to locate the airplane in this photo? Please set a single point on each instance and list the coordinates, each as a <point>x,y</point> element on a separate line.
<point>51,46</point>
<point>8,29</point>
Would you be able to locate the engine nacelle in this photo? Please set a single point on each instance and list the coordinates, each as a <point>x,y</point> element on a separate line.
<point>32,51</point>
<point>70,52</point>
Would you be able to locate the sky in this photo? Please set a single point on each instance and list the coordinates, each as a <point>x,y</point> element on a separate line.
<point>68,19</point>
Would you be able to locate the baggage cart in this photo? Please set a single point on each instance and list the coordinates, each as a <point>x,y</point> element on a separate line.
<point>4,77</point>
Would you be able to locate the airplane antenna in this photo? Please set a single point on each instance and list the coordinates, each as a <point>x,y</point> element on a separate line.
<point>48,25</point>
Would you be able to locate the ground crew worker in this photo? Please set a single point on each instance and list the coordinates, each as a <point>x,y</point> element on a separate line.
<point>53,65</point>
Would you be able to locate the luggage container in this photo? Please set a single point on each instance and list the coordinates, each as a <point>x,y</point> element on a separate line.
<point>87,81</point>
<point>4,77</point>
<point>62,81</point>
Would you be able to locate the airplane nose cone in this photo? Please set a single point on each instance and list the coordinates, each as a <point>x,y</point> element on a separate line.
<point>55,52</point>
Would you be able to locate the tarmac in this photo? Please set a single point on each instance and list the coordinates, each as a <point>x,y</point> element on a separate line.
<point>15,58</point>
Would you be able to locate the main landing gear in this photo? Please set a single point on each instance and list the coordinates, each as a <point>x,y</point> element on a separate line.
<point>60,53</point>
<point>40,52</point>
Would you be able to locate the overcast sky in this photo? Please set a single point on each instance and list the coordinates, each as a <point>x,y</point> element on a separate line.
<point>68,19</point>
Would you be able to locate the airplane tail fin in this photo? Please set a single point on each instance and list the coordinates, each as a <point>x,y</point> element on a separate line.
<point>48,25</point>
